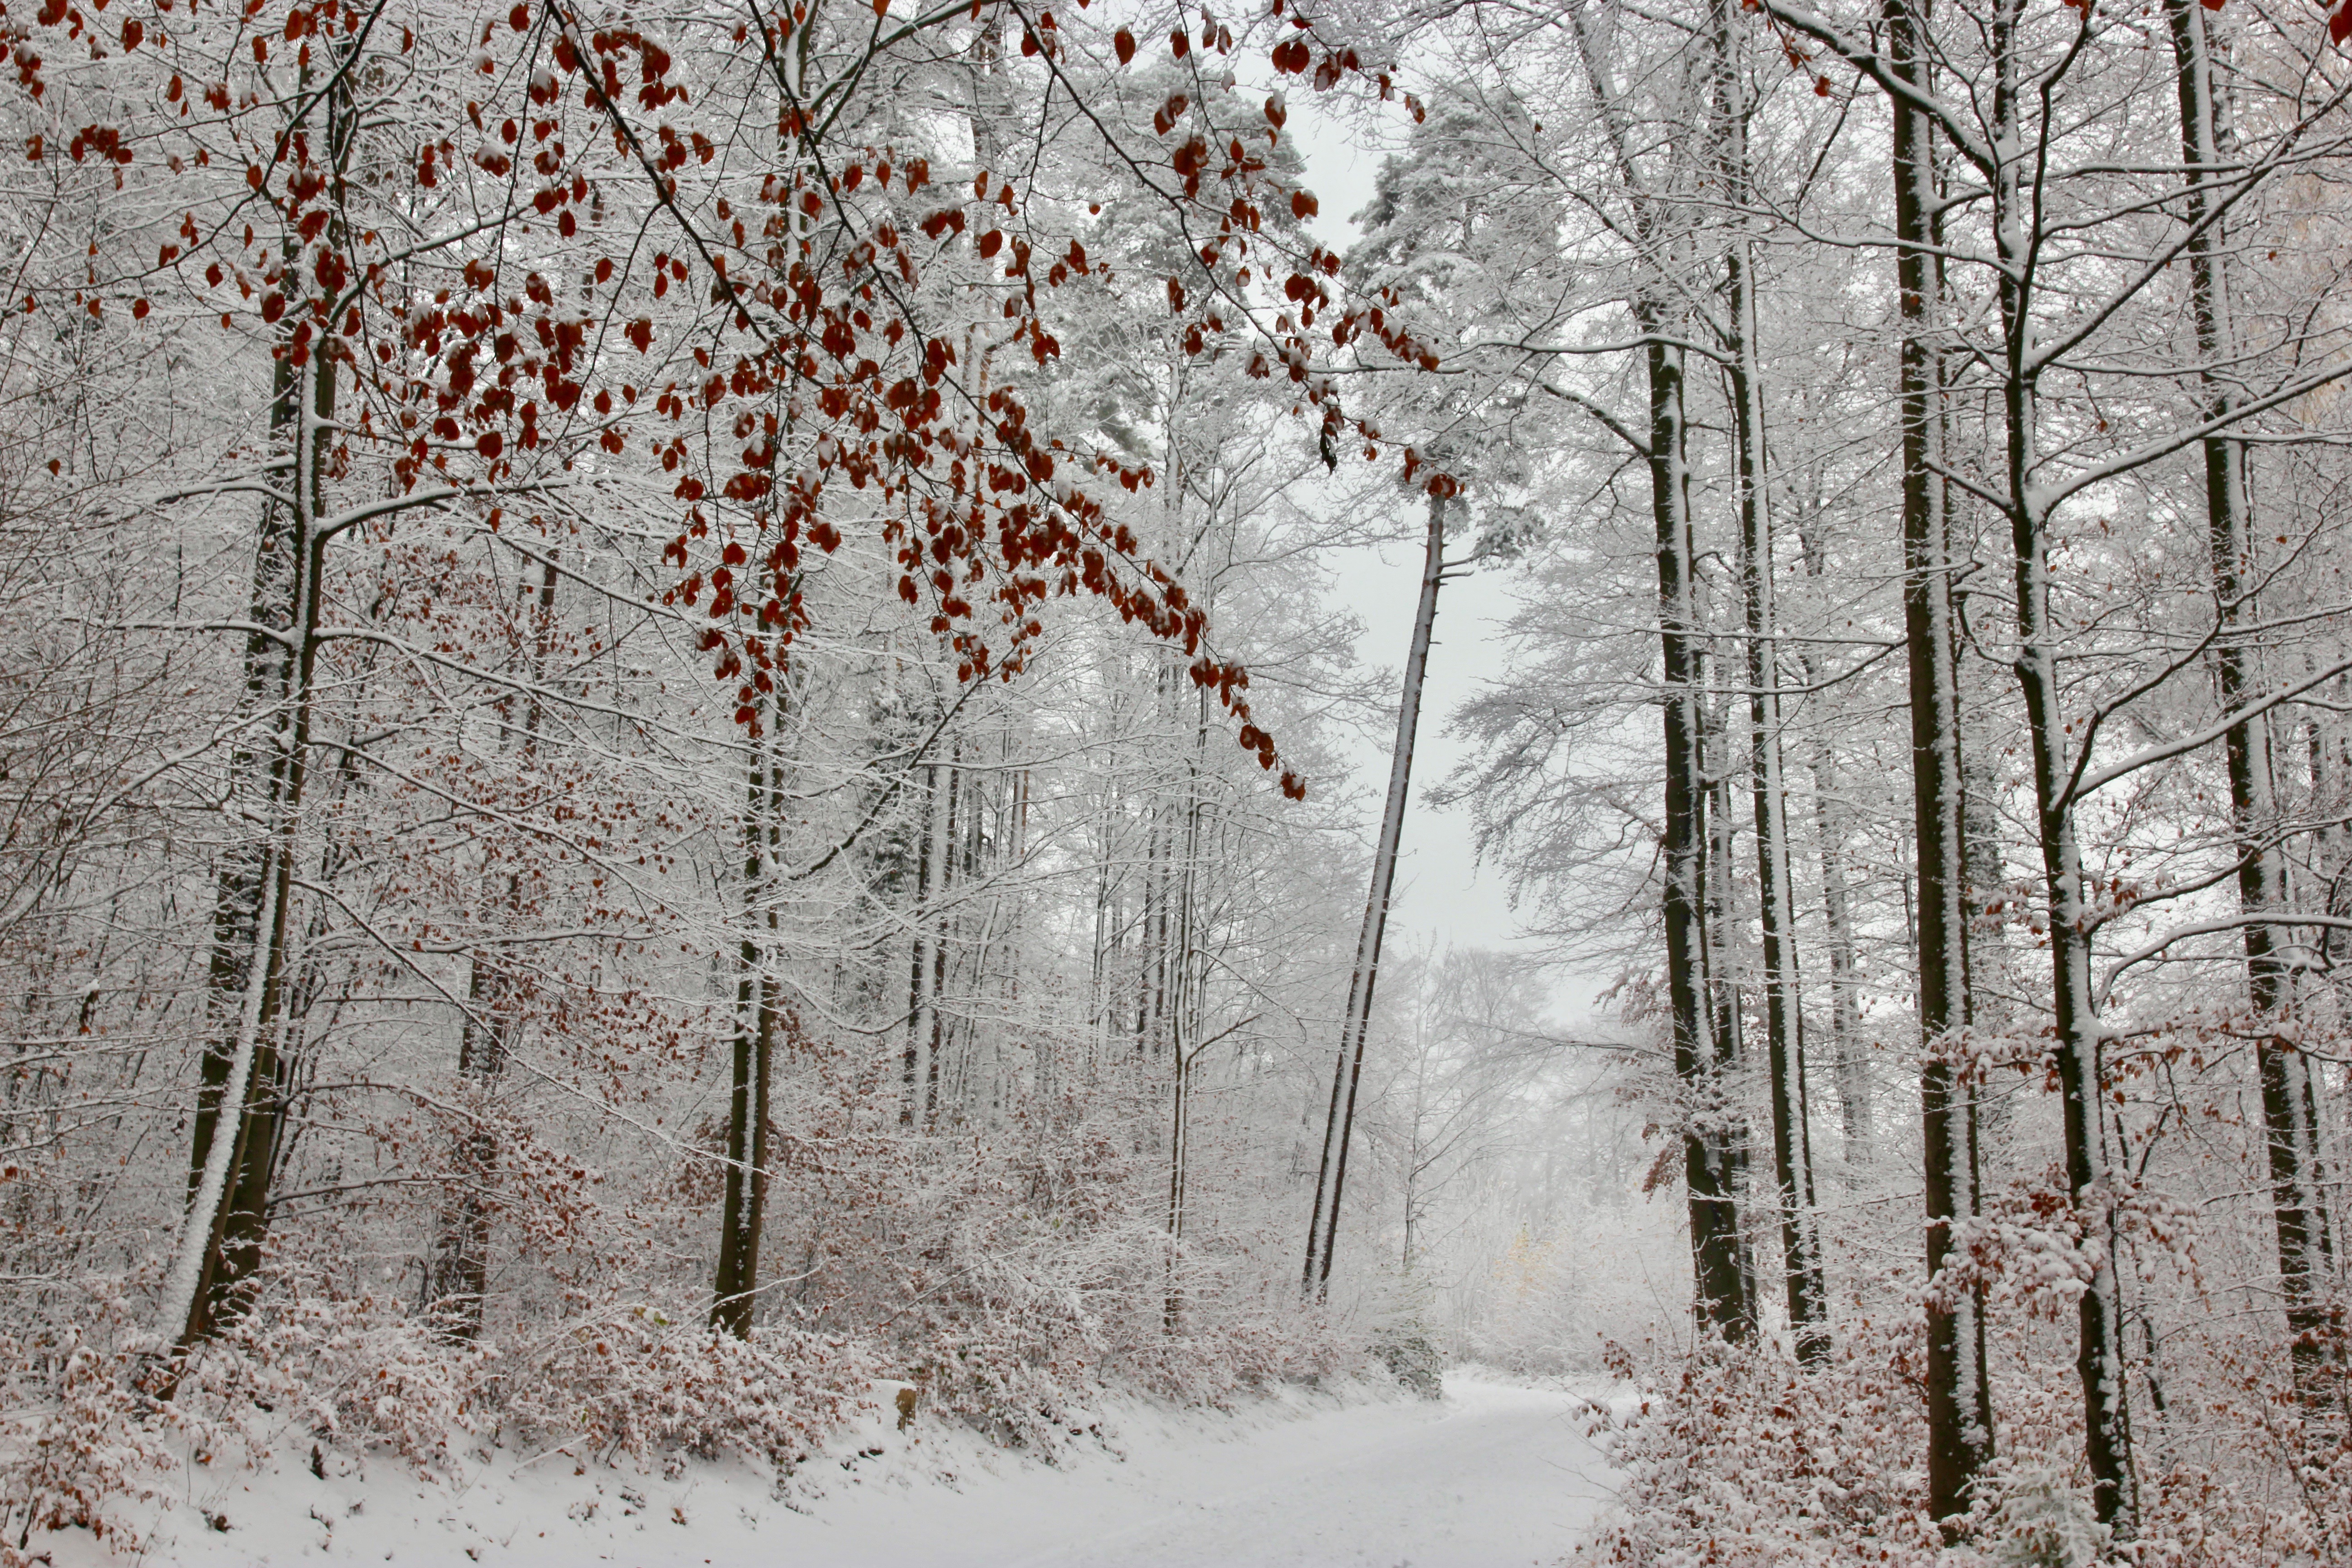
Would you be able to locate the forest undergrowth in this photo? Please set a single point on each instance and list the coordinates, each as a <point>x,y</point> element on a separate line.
<point>1743,1456</point>
<point>1010,1319</point>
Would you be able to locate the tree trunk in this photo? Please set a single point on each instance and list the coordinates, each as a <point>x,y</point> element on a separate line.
<point>219,1248</point>
<point>1721,924</point>
<point>1719,1289</point>
<point>1792,1155</point>
<point>1847,1061</point>
<point>917,960</point>
<point>458,1276</point>
<point>2099,1359</point>
<point>1330,1181</point>
<point>734,1291</point>
<point>1959,1399</point>
<point>1833,828</point>
<point>456,1283</point>
<point>2289,1104</point>
<point>946,857</point>
<point>1720,1301</point>
<point>1185,1014</point>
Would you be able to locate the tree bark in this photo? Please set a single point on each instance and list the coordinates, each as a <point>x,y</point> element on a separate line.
<point>1719,1284</point>
<point>734,1290</point>
<point>2099,1359</point>
<point>1720,927</point>
<point>1959,1400</point>
<point>458,1276</point>
<point>1833,828</point>
<point>917,960</point>
<point>219,1249</point>
<point>1720,1299</point>
<point>948,852</point>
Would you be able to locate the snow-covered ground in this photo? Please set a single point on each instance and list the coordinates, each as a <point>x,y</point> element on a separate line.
<point>1494,1475</point>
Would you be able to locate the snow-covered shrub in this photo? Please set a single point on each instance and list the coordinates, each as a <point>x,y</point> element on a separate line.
<point>2045,1519</point>
<point>645,1386</point>
<point>1740,1457</point>
<point>68,1452</point>
<point>360,1370</point>
<point>1406,1350</point>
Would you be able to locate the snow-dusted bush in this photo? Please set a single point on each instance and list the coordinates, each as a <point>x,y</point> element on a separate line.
<point>1740,1457</point>
<point>90,1438</point>
<point>2044,1521</point>
<point>639,1384</point>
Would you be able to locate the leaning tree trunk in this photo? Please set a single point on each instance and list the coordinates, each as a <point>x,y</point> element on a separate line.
<point>2290,1117</point>
<point>240,1106</point>
<point>240,1102</point>
<point>1959,1398</point>
<point>1330,1180</point>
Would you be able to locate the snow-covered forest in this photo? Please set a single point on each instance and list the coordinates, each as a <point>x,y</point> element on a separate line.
<point>687,732</point>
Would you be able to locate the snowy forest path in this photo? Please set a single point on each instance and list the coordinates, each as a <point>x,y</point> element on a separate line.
<point>1493,1475</point>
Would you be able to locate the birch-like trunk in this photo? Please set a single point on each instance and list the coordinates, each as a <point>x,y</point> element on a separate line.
<point>1330,1180</point>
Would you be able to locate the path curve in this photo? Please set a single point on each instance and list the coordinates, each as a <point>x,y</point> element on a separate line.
<point>1490,1476</point>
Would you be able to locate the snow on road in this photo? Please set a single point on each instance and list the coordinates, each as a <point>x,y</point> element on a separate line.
<point>1493,1476</point>
<point>1490,1476</point>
